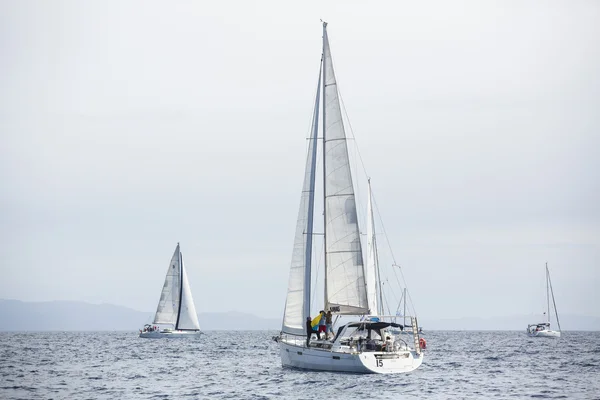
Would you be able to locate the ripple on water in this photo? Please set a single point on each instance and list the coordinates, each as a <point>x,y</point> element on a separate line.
<point>246,365</point>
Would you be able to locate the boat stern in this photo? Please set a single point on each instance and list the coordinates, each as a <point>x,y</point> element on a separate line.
<point>391,363</point>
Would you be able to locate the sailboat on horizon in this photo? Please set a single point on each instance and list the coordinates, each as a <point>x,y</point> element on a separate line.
<point>352,288</point>
<point>542,329</point>
<point>176,307</point>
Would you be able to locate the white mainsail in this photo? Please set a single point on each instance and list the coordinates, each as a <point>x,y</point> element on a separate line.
<point>168,305</point>
<point>297,304</point>
<point>345,289</point>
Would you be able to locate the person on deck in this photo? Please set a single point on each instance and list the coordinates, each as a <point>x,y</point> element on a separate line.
<point>389,344</point>
<point>328,324</point>
<point>309,331</point>
<point>322,325</point>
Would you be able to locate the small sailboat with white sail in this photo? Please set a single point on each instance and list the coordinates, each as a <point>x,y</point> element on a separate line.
<point>542,329</point>
<point>362,340</point>
<point>176,314</point>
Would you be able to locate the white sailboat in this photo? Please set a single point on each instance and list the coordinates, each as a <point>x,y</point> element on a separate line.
<point>176,307</point>
<point>351,288</point>
<point>542,329</point>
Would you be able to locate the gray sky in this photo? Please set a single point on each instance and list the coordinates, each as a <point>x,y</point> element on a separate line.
<point>126,127</point>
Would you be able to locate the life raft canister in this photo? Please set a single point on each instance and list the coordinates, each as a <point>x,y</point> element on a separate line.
<point>422,343</point>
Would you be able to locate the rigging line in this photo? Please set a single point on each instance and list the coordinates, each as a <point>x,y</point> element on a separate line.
<point>316,275</point>
<point>365,171</point>
<point>553,302</point>
<point>321,252</point>
<point>395,298</point>
<point>386,303</point>
<point>407,291</point>
<point>387,239</point>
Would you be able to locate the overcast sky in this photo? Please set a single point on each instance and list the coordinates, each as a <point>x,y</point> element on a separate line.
<point>129,126</point>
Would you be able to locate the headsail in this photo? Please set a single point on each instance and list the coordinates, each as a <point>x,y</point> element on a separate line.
<point>168,305</point>
<point>345,289</point>
<point>297,305</point>
<point>188,319</point>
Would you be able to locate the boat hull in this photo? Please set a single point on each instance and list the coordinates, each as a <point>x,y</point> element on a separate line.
<point>169,334</point>
<point>545,333</point>
<point>312,358</point>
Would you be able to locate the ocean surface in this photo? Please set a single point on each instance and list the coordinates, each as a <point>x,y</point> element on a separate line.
<point>246,365</point>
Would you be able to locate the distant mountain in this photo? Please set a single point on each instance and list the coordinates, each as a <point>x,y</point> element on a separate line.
<point>18,315</point>
<point>80,316</point>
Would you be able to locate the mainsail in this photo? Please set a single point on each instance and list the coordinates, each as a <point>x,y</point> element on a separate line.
<point>297,305</point>
<point>168,305</point>
<point>345,289</point>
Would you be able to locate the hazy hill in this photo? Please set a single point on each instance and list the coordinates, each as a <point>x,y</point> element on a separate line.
<point>79,316</point>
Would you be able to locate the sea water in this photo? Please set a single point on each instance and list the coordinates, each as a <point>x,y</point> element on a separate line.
<point>246,365</point>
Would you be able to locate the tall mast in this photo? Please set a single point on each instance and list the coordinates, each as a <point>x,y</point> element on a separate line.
<point>180,286</point>
<point>324,160</point>
<point>311,203</point>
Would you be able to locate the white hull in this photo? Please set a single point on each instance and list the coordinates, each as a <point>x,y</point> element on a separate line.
<point>545,333</point>
<point>169,334</point>
<point>377,362</point>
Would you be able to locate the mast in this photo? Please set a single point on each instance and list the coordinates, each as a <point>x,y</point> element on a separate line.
<point>311,204</point>
<point>324,161</point>
<point>180,286</point>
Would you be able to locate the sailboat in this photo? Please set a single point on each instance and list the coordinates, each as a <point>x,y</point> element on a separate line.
<point>176,307</point>
<point>352,288</point>
<point>542,329</point>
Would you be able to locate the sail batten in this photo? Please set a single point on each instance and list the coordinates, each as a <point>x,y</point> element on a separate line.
<point>345,288</point>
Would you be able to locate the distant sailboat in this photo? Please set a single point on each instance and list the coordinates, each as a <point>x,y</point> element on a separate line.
<point>176,305</point>
<point>352,288</point>
<point>542,329</point>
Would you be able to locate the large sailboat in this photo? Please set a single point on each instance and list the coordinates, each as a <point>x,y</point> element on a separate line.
<point>363,341</point>
<point>542,329</point>
<point>176,314</point>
